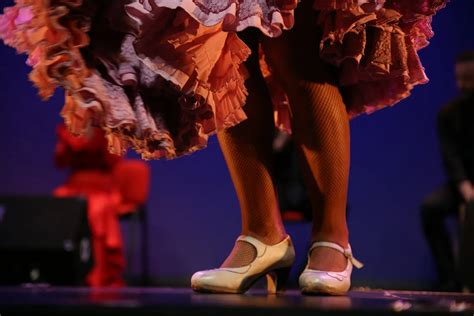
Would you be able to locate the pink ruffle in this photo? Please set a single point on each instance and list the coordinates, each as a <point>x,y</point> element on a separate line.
<point>374,44</point>
<point>416,18</point>
<point>13,20</point>
<point>376,50</point>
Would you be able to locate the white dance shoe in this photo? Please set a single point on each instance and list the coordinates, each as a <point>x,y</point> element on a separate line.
<point>273,261</point>
<point>326,282</point>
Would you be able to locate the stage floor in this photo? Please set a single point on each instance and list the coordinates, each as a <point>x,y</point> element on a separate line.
<point>53,301</point>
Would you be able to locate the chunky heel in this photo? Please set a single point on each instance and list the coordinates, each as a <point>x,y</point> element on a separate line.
<point>277,280</point>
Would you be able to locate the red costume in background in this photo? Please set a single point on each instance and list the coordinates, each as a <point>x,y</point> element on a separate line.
<point>91,176</point>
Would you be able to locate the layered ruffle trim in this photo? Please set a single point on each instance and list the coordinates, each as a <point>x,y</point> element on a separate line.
<point>375,45</point>
<point>271,17</point>
<point>169,77</point>
<point>164,103</point>
<point>51,39</point>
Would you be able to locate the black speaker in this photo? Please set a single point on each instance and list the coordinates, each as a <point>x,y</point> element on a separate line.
<point>44,240</point>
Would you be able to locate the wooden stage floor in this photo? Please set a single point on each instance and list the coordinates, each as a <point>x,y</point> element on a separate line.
<point>53,301</point>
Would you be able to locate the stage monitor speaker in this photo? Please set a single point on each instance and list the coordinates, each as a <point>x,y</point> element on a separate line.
<point>44,240</point>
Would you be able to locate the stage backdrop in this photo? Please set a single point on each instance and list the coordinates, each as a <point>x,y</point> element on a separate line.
<point>193,211</point>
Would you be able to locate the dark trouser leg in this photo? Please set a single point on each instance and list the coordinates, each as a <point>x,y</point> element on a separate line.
<point>435,209</point>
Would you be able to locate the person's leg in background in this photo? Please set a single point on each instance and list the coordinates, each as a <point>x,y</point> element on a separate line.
<point>435,209</point>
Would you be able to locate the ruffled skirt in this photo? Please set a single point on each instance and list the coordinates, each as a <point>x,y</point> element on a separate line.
<point>161,76</point>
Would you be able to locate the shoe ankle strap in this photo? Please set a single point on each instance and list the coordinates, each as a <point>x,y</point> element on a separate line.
<point>347,252</point>
<point>258,245</point>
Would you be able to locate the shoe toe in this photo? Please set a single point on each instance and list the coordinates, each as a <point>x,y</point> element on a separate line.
<point>324,283</point>
<point>198,280</point>
<point>207,280</point>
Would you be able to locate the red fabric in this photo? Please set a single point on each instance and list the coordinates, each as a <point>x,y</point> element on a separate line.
<point>91,177</point>
<point>103,200</point>
<point>134,192</point>
<point>83,153</point>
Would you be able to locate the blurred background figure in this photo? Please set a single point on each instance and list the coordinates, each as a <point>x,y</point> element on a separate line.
<point>292,195</point>
<point>456,138</point>
<point>113,187</point>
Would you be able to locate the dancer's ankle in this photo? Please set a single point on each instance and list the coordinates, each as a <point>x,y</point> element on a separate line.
<point>268,238</point>
<point>327,259</point>
<point>339,238</point>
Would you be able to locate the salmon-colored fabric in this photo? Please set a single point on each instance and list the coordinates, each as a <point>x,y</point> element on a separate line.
<point>161,76</point>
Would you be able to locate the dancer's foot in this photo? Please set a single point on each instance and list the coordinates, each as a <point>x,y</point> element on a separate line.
<point>326,275</point>
<point>327,259</point>
<point>274,261</point>
<point>243,254</point>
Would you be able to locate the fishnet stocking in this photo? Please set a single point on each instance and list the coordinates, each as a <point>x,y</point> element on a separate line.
<point>247,149</point>
<point>326,166</point>
<point>321,131</point>
<point>243,254</point>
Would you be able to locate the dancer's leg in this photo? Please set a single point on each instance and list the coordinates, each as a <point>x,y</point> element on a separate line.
<point>321,129</point>
<point>324,140</point>
<point>247,149</point>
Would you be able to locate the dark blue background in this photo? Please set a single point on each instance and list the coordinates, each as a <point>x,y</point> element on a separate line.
<point>194,213</point>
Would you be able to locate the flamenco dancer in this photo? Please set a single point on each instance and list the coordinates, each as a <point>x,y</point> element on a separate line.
<point>162,75</point>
